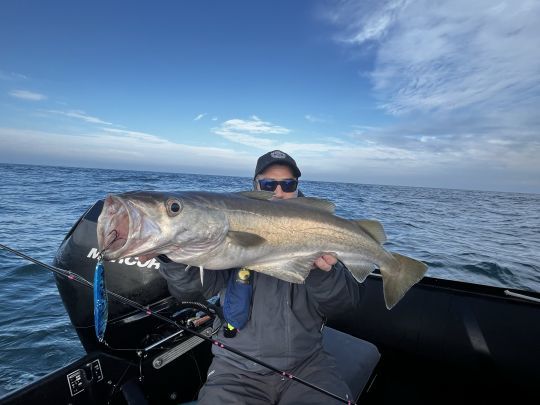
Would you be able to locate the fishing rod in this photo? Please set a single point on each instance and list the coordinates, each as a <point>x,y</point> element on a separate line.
<point>124,300</point>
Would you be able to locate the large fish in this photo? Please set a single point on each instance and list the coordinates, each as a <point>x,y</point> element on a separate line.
<point>281,238</point>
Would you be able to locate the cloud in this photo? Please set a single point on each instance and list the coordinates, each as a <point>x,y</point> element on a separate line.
<point>460,80</point>
<point>450,143</point>
<point>364,21</point>
<point>250,132</point>
<point>200,116</point>
<point>376,156</point>
<point>451,56</point>
<point>253,126</point>
<point>27,95</point>
<point>11,76</point>
<point>81,115</point>
<point>248,140</point>
<point>125,144</point>
<point>111,147</point>
<point>135,135</point>
<point>314,119</point>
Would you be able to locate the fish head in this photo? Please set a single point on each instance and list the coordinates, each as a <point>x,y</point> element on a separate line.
<point>147,224</point>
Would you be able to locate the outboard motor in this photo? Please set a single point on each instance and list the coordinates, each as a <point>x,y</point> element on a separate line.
<point>140,282</point>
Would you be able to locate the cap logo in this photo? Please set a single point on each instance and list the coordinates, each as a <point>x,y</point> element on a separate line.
<point>277,154</point>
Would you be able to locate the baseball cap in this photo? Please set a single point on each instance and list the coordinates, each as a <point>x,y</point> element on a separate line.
<point>276,157</point>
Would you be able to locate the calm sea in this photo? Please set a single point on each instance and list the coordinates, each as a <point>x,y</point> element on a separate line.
<point>481,237</point>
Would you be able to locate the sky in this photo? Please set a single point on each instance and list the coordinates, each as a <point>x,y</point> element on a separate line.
<point>415,93</point>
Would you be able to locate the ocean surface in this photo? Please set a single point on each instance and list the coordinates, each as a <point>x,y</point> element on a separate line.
<point>481,237</point>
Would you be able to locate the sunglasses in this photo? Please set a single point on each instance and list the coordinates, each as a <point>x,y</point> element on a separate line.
<point>287,185</point>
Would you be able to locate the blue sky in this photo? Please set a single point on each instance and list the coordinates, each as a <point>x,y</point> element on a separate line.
<point>420,93</point>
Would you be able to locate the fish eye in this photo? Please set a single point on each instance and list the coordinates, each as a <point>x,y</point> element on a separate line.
<point>173,207</point>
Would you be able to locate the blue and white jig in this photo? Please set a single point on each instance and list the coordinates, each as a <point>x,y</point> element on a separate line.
<point>101,302</point>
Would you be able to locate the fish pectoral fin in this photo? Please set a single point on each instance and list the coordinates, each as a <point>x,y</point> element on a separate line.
<point>294,270</point>
<point>373,228</point>
<point>245,239</point>
<point>312,202</point>
<point>257,195</point>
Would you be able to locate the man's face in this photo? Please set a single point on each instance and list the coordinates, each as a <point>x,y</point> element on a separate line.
<point>278,172</point>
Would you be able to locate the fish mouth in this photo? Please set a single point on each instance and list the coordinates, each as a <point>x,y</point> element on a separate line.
<point>114,224</point>
<point>124,230</point>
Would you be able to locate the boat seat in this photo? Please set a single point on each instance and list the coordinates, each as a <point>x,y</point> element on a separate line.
<point>356,358</point>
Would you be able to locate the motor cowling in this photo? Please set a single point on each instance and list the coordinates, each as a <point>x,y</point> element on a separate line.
<point>129,277</point>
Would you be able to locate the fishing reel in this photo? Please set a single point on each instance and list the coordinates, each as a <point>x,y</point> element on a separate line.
<point>191,315</point>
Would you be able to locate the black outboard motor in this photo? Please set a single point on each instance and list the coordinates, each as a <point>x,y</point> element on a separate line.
<point>129,277</point>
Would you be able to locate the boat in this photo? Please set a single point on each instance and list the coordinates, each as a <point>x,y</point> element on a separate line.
<point>445,342</point>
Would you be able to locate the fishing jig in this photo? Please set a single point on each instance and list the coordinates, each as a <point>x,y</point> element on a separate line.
<point>101,302</point>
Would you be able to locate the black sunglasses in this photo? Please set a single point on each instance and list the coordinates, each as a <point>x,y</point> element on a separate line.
<point>287,185</point>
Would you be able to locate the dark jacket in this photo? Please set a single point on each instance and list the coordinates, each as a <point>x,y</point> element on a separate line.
<point>286,319</point>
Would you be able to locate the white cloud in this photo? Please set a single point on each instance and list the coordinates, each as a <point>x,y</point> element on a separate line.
<point>11,76</point>
<point>383,160</point>
<point>314,119</point>
<point>112,142</point>
<point>199,117</point>
<point>462,81</point>
<point>249,140</point>
<point>135,135</point>
<point>111,147</point>
<point>253,126</point>
<point>367,20</point>
<point>251,132</point>
<point>27,95</point>
<point>81,115</point>
<point>456,54</point>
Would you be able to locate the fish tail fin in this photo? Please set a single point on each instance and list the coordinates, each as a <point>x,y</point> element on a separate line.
<point>398,277</point>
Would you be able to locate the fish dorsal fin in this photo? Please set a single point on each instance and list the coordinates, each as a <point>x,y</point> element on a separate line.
<point>312,202</point>
<point>373,229</point>
<point>257,195</point>
<point>245,239</point>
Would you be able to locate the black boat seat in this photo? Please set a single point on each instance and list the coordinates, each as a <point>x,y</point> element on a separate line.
<point>356,358</point>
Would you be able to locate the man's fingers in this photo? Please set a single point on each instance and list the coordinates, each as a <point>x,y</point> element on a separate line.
<point>322,263</point>
<point>331,260</point>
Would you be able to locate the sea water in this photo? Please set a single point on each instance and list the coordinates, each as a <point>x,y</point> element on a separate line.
<point>481,237</point>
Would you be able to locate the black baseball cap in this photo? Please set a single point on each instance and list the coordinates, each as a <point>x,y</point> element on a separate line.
<point>276,157</point>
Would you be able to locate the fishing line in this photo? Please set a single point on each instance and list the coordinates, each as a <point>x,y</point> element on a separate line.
<point>117,384</point>
<point>120,298</point>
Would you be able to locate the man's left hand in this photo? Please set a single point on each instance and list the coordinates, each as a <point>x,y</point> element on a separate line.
<point>325,262</point>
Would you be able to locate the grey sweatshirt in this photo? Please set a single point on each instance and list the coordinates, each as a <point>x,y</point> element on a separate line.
<point>286,319</point>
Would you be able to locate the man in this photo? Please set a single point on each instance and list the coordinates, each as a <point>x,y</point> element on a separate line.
<point>283,321</point>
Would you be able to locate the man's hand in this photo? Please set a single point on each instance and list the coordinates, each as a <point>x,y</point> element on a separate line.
<point>325,262</point>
